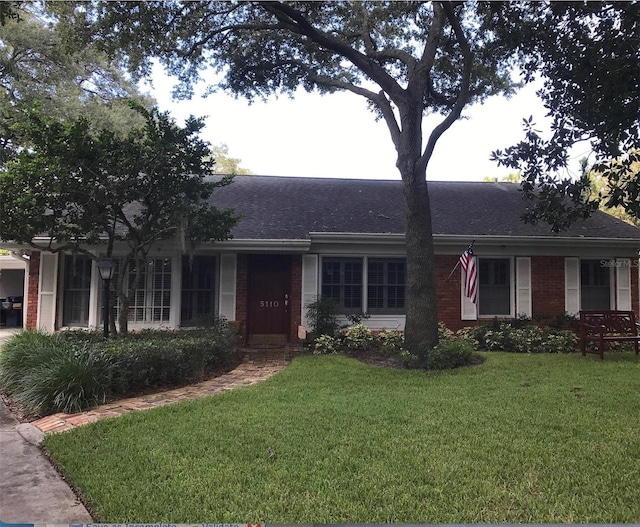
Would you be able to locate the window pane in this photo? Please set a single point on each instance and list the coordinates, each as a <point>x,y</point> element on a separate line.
<point>76,288</point>
<point>198,295</point>
<point>494,289</point>
<point>595,285</point>
<point>150,300</point>
<point>342,281</point>
<point>386,285</point>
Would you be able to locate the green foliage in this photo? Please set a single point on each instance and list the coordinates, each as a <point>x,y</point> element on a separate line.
<point>325,344</point>
<point>358,338</point>
<point>410,360</point>
<point>36,67</point>
<point>450,353</point>
<point>81,188</point>
<point>226,164</point>
<point>520,337</point>
<point>323,317</point>
<point>73,370</point>
<point>444,333</point>
<point>391,342</point>
<point>580,50</point>
<point>45,376</point>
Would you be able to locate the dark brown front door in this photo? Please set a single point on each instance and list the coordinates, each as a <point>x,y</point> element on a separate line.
<point>269,291</point>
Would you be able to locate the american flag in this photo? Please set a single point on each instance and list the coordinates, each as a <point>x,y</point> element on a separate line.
<point>468,263</point>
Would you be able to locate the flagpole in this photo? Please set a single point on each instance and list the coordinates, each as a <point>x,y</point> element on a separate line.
<point>458,262</point>
<point>453,270</point>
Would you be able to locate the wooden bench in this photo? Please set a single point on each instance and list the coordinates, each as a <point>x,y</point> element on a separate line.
<point>607,326</point>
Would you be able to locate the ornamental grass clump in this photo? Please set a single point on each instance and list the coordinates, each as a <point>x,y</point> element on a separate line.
<point>44,374</point>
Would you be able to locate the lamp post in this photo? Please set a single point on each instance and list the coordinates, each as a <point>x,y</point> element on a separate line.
<point>105,268</point>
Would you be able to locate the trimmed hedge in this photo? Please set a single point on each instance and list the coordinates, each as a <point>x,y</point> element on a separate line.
<point>73,370</point>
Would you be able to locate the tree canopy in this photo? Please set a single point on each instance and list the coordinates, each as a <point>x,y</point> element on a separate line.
<point>407,59</point>
<point>73,190</point>
<point>588,54</point>
<point>36,67</point>
<point>224,164</point>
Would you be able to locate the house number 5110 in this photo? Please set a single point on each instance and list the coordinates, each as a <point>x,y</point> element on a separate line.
<point>269,303</point>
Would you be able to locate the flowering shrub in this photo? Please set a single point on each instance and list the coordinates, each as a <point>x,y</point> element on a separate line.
<point>324,345</point>
<point>444,333</point>
<point>391,342</point>
<point>358,338</point>
<point>520,338</point>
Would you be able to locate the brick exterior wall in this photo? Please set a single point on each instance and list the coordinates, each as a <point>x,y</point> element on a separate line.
<point>33,285</point>
<point>547,290</point>
<point>547,285</point>
<point>449,292</point>
<point>547,294</point>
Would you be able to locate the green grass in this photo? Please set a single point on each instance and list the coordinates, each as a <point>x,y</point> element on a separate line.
<point>520,438</point>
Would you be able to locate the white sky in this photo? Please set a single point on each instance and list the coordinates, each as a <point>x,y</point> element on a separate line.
<point>337,136</point>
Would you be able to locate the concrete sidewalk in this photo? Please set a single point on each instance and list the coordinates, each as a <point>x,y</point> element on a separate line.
<point>31,490</point>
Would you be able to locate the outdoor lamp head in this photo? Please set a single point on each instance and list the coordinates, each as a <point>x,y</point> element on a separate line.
<point>105,268</point>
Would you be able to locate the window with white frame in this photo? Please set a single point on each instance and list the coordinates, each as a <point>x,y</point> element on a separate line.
<point>386,279</point>
<point>595,285</point>
<point>342,281</point>
<point>76,284</point>
<point>494,287</point>
<point>150,302</point>
<point>346,280</point>
<point>198,290</point>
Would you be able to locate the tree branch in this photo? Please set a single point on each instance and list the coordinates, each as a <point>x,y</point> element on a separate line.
<point>297,23</point>
<point>463,95</point>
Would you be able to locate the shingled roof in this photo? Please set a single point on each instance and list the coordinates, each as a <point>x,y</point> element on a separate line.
<point>293,207</point>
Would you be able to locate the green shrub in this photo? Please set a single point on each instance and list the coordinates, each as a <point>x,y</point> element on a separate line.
<point>520,338</point>
<point>444,333</point>
<point>409,360</point>
<point>325,344</point>
<point>358,338</point>
<point>169,358</point>
<point>44,374</point>
<point>71,370</point>
<point>559,341</point>
<point>20,353</point>
<point>323,317</point>
<point>450,353</point>
<point>391,342</point>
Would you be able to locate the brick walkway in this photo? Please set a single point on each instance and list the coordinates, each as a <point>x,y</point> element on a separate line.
<point>257,366</point>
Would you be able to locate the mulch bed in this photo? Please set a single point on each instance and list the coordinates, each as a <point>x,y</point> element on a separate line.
<point>376,359</point>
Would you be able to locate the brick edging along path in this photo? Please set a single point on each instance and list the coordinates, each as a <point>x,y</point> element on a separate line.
<point>255,367</point>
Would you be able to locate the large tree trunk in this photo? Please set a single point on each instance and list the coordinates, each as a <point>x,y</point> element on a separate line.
<point>421,329</point>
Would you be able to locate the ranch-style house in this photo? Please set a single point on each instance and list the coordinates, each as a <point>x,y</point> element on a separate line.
<point>301,238</point>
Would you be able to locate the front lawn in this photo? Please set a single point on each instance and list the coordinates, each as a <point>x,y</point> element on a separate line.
<point>520,438</point>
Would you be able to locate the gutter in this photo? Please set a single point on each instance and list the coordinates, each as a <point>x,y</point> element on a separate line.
<point>20,256</point>
<point>463,241</point>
